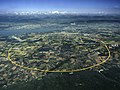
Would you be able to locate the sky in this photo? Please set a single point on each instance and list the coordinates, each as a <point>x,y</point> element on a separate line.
<point>81,6</point>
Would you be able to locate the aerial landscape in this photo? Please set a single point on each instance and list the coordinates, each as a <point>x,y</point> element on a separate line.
<point>60,45</point>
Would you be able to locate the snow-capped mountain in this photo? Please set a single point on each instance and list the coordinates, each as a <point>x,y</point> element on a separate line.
<point>39,12</point>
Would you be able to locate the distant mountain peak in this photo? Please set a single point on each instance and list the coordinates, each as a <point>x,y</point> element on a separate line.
<point>39,12</point>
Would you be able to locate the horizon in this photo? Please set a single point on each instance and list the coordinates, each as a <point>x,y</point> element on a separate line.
<point>67,6</point>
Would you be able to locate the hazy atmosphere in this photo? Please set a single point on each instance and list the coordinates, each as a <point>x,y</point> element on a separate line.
<point>81,6</point>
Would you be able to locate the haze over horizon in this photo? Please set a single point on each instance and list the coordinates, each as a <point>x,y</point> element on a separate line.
<point>81,6</point>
